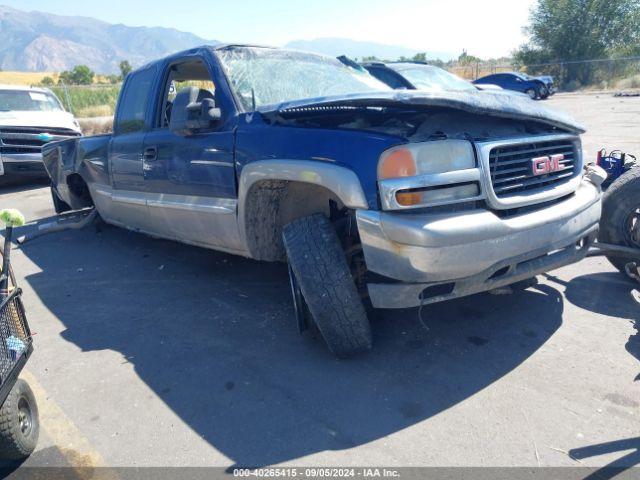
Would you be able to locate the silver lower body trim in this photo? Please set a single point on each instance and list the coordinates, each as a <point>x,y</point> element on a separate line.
<point>208,222</point>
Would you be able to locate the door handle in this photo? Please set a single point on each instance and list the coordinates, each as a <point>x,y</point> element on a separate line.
<point>150,154</point>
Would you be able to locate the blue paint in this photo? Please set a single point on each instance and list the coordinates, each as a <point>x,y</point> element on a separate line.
<point>356,150</point>
<point>514,81</point>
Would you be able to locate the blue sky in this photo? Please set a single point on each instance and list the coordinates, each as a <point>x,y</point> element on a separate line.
<point>487,28</point>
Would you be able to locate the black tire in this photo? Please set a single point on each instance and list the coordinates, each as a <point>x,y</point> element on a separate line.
<point>19,423</point>
<point>619,203</point>
<point>319,264</point>
<point>533,94</point>
<point>60,206</point>
<point>300,307</point>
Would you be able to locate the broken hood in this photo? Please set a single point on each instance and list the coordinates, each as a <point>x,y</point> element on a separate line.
<point>502,104</point>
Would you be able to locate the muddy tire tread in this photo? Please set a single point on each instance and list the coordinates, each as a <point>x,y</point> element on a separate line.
<point>319,263</point>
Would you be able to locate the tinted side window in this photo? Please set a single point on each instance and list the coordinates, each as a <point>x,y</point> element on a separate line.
<point>191,72</point>
<point>490,78</point>
<point>387,77</point>
<point>133,103</point>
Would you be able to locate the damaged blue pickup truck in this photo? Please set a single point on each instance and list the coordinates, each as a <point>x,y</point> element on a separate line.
<point>375,197</point>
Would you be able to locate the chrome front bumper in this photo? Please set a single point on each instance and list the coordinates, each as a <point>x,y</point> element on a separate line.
<point>21,163</point>
<point>438,256</point>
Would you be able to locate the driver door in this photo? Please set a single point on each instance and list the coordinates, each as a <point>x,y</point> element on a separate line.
<point>190,180</point>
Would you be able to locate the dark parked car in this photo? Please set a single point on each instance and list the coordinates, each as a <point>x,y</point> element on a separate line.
<point>416,76</point>
<point>536,88</point>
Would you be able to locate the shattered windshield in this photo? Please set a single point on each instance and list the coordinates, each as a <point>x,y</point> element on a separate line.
<point>272,76</point>
<point>425,77</point>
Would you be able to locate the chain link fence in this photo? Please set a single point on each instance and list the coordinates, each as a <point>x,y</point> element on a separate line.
<point>606,73</point>
<point>473,71</point>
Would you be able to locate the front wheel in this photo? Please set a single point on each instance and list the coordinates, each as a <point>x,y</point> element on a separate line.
<point>321,274</point>
<point>19,423</point>
<point>620,222</point>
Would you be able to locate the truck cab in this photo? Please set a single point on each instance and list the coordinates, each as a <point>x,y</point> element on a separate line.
<point>376,197</point>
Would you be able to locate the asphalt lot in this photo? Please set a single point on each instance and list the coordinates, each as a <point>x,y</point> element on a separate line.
<point>152,353</point>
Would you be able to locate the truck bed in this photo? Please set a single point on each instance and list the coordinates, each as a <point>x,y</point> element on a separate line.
<point>69,160</point>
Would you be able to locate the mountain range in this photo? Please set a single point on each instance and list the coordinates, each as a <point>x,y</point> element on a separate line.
<point>38,41</point>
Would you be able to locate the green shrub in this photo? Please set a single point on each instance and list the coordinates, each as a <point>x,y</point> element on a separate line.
<point>89,100</point>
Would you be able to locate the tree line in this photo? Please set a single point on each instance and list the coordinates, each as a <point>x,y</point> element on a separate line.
<point>83,75</point>
<point>565,35</point>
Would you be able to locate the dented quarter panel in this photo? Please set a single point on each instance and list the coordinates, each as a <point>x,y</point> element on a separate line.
<point>86,156</point>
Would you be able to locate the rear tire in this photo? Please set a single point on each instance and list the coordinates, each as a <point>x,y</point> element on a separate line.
<point>320,268</point>
<point>19,423</point>
<point>620,219</point>
<point>532,93</point>
<point>60,206</point>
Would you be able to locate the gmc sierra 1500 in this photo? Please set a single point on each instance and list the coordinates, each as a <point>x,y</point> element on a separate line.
<point>402,197</point>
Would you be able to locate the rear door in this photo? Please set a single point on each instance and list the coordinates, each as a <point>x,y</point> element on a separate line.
<point>190,180</point>
<point>128,196</point>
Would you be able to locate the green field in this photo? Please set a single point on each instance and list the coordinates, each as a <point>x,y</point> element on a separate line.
<point>89,101</point>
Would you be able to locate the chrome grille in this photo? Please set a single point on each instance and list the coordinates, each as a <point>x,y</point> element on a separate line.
<point>510,166</point>
<point>28,139</point>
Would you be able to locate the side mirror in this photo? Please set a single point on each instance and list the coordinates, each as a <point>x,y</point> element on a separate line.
<point>193,110</point>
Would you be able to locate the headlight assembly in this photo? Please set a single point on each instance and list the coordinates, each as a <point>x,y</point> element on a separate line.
<point>428,174</point>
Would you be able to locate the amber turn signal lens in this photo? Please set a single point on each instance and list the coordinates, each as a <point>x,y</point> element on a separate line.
<point>398,163</point>
<point>408,199</point>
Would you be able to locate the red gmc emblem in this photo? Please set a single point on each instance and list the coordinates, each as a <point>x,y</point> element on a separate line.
<point>544,165</point>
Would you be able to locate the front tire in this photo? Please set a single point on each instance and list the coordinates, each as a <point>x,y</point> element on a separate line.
<point>19,423</point>
<point>544,92</point>
<point>319,265</point>
<point>620,221</point>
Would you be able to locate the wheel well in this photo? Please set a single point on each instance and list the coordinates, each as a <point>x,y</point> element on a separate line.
<point>272,204</point>
<point>79,190</point>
